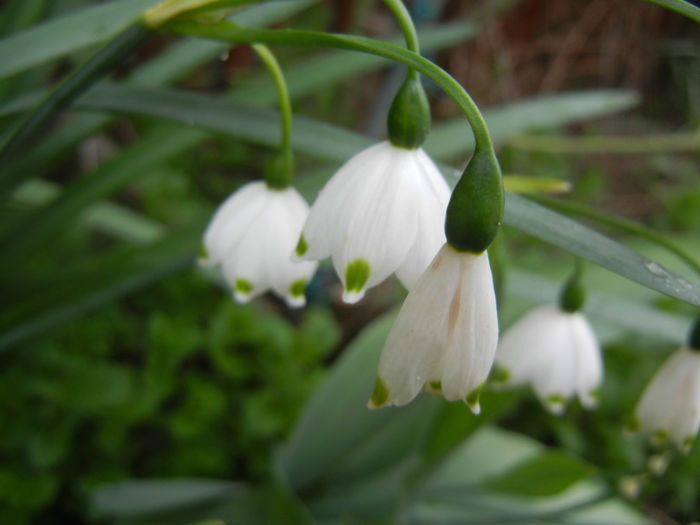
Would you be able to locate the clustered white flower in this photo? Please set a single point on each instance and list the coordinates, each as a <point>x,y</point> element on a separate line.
<point>556,352</point>
<point>445,336</point>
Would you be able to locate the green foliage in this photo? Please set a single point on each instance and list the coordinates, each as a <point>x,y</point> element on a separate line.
<point>133,389</point>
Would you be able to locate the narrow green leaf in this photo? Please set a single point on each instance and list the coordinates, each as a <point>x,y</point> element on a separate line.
<point>153,147</point>
<point>580,240</point>
<point>139,497</point>
<point>60,36</point>
<point>337,437</point>
<point>103,216</point>
<point>546,111</point>
<point>681,7</point>
<point>95,282</point>
<point>547,474</point>
<point>76,83</point>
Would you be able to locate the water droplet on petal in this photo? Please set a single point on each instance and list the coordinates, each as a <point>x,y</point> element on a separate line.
<point>656,269</point>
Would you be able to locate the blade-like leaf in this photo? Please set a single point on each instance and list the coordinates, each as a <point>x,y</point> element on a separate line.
<point>60,36</point>
<point>547,474</point>
<point>336,437</point>
<point>682,7</point>
<point>333,143</point>
<point>138,497</point>
<point>95,282</point>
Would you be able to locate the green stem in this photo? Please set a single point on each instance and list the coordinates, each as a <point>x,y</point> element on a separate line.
<point>403,17</point>
<point>620,224</point>
<point>227,32</point>
<point>273,67</point>
<point>73,86</point>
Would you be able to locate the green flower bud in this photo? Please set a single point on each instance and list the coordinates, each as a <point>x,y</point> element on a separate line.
<point>573,295</point>
<point>409,115</point>
<point>694,336</point>
<point>280,170</point>
<point>475,211</point>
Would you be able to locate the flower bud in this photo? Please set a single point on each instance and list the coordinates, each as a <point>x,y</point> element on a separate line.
<point>475,211</point>
<point>572,294</point>
<point>409,115</point>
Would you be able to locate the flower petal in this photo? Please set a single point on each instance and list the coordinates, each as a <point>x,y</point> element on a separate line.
<point>472,330</point>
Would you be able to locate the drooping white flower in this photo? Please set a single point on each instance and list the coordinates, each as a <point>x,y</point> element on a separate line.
<point>382,212</point>
<point>252,235</point>
<point>445,336</point>
<point>670,404</point>
<point>554,351</point>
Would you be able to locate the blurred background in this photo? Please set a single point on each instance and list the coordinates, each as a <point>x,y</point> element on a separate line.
<point>121,359</point>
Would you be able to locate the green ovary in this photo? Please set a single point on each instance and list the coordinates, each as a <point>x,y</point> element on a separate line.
<point>302,246</point>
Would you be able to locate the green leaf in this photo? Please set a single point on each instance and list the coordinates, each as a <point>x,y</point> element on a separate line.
<point>138,497</point>
<point>60,36</point>
<point>550,473</point>
<point>580,240</point>
<point>134,161</point>
<point>337,438</point>
<point>94,282</point>
<point>545,111</point>
<point>681,7</point>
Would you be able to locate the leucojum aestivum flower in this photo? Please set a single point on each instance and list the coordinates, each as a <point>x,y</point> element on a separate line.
<point>383,210</point>
<point>670,405</point>
<point>554,349</point>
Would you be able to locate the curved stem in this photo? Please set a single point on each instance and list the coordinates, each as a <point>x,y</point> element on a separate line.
<point>403,17</point>
<point>620,224</point>
<point>227,32</point>
<point>273,67</point>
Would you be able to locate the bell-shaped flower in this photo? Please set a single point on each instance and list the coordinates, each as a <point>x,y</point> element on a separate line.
<point>445,336</point>
<point>556,352</point>
<point>382,212</point>
<point>670,405</point>
<point>252,235</point>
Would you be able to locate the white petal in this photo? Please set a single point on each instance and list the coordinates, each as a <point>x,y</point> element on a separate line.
<point>670,403</point>
<point>430,207</point>
<point>232,219</point>
<point>283,272</point>
<point>589,365</point>
<point>330,212</point>
<point>413,351</point>
<point>472,330</point>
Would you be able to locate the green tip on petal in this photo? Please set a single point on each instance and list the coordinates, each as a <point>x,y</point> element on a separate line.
<point>555,403</point>
<point>500,375</point>
<point>302,246</point>
<point>379,395</point>
<point>203,253</point>
<point>243,286</point>
<point>434,387</point>
<point>297,288</point>
<point>660,436</point>
<point>594,394</point>
<point>473,399</point>
<point>356,275</point>
<point>687,444</point>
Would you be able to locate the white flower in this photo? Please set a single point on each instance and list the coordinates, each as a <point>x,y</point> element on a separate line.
<point>670,404</point>
<point>554,351</point>
<point>252,235</point>
<point>382,212</point>
<point>445,335</point>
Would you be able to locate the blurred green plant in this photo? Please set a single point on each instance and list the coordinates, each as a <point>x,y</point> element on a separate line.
<point>121,363</point>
